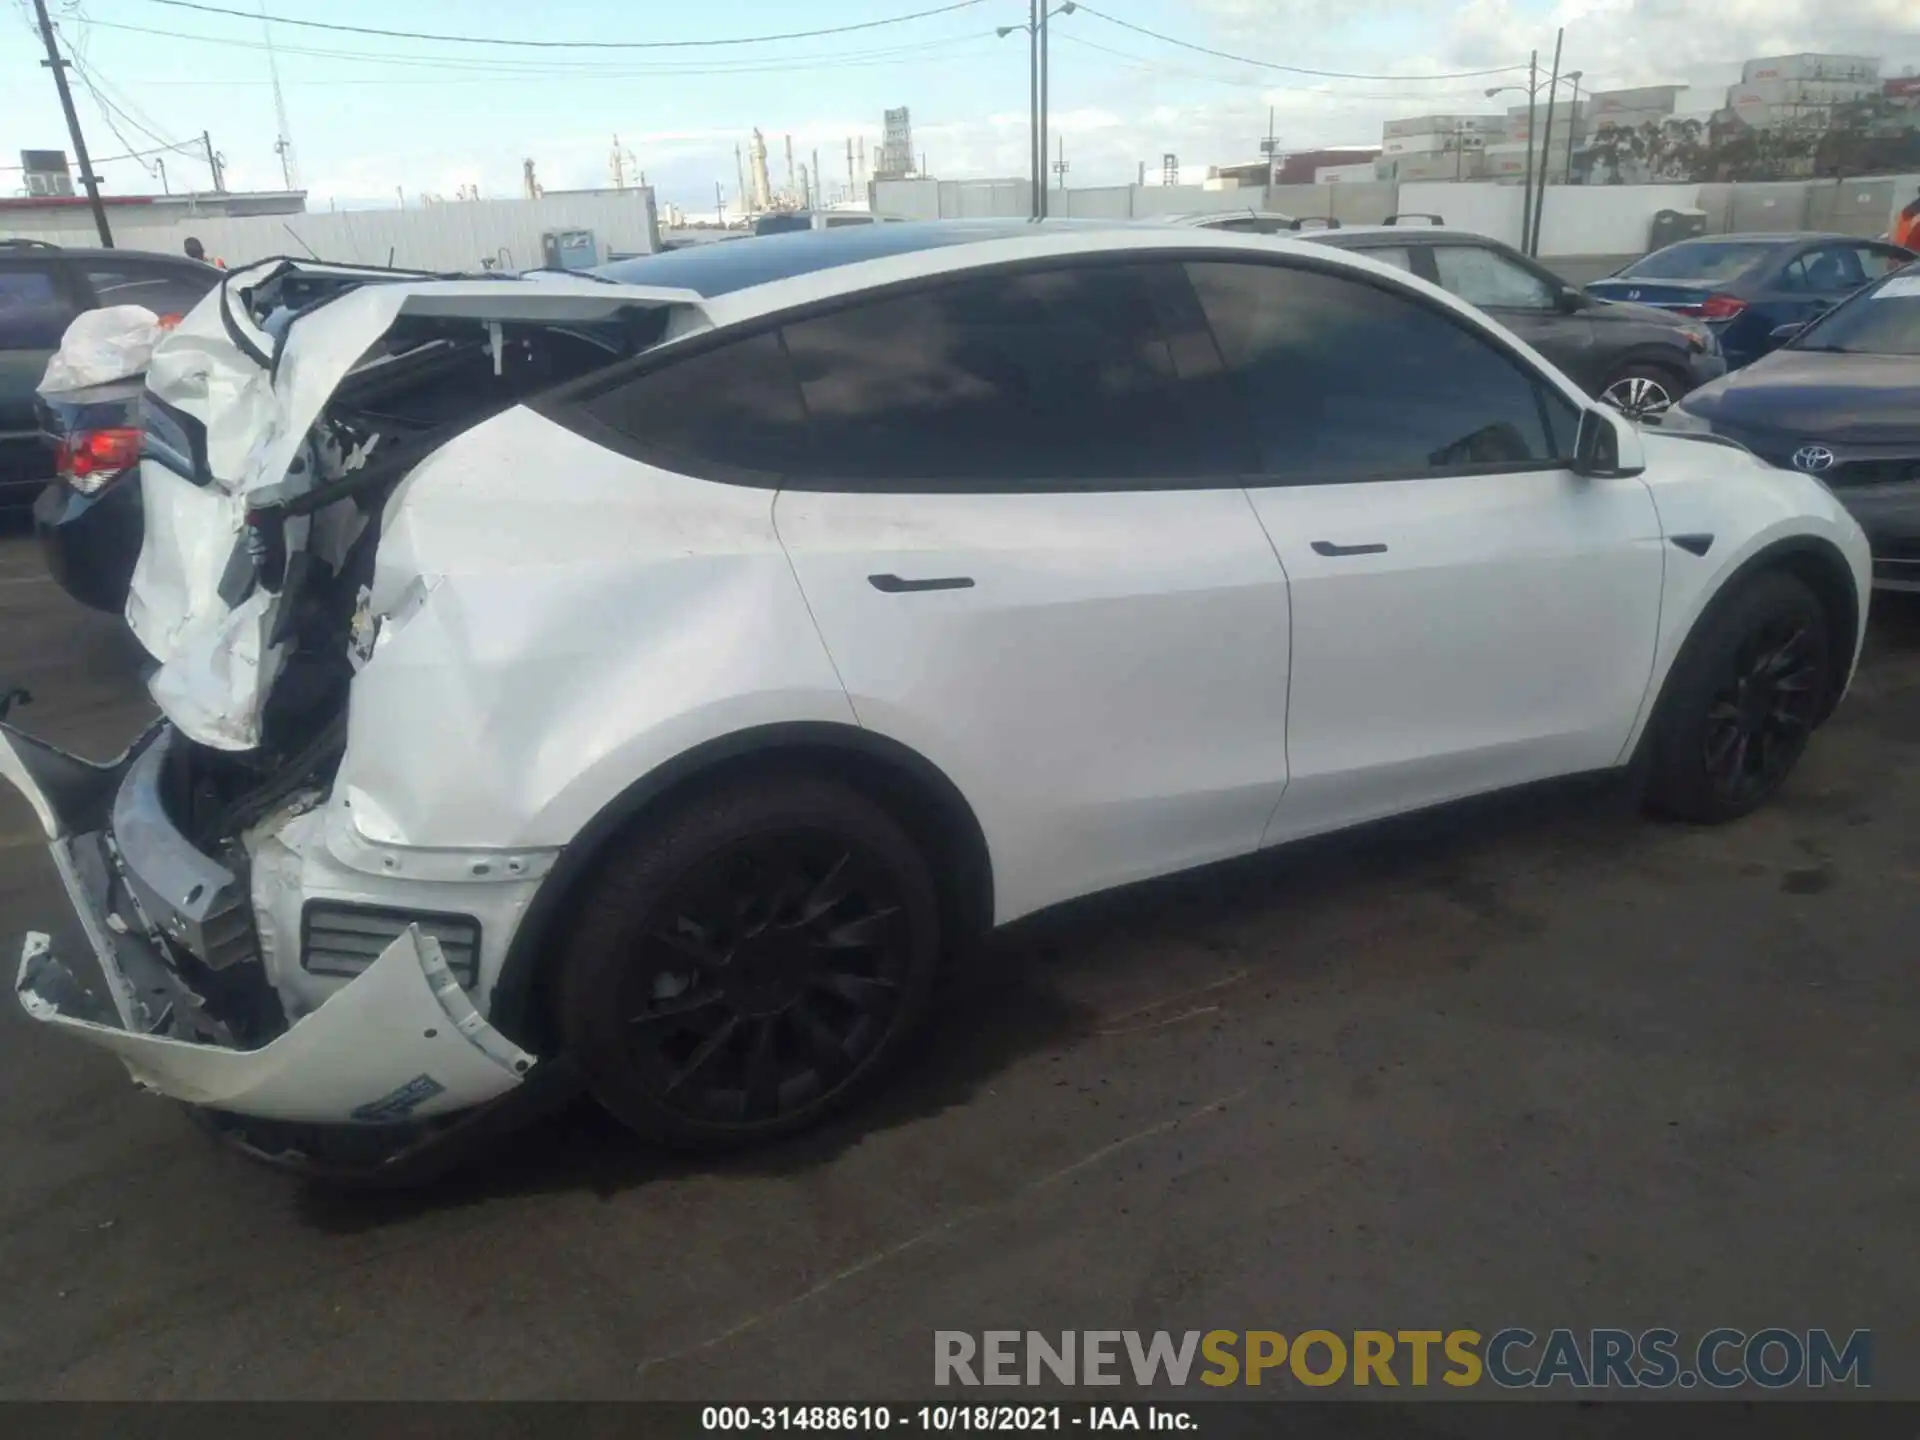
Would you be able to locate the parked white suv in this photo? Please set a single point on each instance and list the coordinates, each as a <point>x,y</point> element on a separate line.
<point>651,676</point>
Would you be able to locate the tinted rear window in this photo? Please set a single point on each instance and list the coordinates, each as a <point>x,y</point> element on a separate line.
<point>1700,260</point>
<point>1053,377</point>
<point>735,408</point>
<point>32,314</point>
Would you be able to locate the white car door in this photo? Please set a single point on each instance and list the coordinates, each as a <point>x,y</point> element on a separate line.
<point>1468,613</point>
<point>1034,564</point>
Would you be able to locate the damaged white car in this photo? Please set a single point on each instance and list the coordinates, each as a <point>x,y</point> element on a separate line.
<point>644,679</point>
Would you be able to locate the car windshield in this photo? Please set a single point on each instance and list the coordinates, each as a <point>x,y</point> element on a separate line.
<point>1885,321</point>
<point>1699,260</point>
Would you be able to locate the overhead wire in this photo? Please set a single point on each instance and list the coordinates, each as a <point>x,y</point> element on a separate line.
<point>1246,59</point>
<point>601,44</point>
<point>1149,66</point>
<point>185,147</point>
<point>510,69</point>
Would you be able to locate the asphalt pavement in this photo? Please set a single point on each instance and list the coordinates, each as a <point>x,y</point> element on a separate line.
<point>1549,1064</point>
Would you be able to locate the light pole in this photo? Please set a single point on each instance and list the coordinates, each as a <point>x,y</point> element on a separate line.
<point>1546,143</point>
<point>1036,29</point>
<point>1532,89</point>
<point>1573,119</point>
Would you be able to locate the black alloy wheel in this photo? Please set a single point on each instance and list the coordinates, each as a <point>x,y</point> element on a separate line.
<point>749,964</point>
<point>769,972</point>
<point>1762,715</point>
<point>1741,701</point>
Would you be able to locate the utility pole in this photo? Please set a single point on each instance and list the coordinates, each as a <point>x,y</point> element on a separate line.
<point>853,186</point>
<point>1267,148</point>
<point>1036,157</point>
<point>283,145</point>
<point>1526,199</point>
<point>720,200</point>
<point>213,162</point>
<point>1546,144</point>
<point>819,183</point>
<point>87,178</point>
<point>1043,106</point>
<point>1060,165</point>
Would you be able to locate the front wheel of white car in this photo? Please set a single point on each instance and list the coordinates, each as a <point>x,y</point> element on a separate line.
<point>749,962</point>
<point>1746,692</point>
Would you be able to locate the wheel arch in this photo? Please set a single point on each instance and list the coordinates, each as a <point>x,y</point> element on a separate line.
<point>1816,562</point>
<point>1652,353</point>
<point>912,788</point>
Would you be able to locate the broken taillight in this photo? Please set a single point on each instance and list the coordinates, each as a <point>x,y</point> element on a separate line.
<point>88,459</point>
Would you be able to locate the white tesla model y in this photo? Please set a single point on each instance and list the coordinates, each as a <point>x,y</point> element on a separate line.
<point>646,677</point>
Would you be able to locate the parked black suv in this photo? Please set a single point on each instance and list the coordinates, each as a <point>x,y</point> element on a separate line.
<point>79,453</point>
<point>1635,357</point>
<point>42,287</point>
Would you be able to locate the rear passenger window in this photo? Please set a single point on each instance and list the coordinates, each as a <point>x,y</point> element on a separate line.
<point>1344,380</point>
<point>32,314</point>
<point>163,291</point>
<point>731,409</point>
<point>1397,256</point>
<point>1059,378</point>
<point>1482,277</point>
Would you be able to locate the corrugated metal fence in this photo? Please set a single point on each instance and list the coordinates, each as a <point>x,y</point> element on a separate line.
<point>1578,220</point>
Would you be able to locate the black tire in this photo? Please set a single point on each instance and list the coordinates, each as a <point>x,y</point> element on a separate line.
<point>1744,696</point>
<point>749,962</point>
<point>1658,387</point>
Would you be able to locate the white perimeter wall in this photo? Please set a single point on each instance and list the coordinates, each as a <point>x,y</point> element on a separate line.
<point>457,235</point>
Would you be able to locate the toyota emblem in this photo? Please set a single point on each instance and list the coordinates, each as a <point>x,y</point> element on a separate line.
<point>1813,459</point>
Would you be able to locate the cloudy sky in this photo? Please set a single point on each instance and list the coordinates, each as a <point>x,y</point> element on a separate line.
<point>370,115</point>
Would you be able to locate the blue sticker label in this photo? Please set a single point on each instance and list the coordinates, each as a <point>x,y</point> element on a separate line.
<point>401,1103</point>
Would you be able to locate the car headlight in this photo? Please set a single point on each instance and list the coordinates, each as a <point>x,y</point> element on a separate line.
<point>1701,339</point>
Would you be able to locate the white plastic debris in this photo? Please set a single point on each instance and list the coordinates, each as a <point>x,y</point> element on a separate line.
<point>100,346</point>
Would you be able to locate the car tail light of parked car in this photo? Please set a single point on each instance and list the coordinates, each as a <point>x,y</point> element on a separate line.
<point>1719,307</point>
<point>88,459</point>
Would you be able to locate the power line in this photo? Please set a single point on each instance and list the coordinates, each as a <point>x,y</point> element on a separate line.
<point>1148,66</point>
<point>108,107</point>
<point>1238,59</point>
<point>184,147</point>
<point>505,68</point>
<point>570,44</point>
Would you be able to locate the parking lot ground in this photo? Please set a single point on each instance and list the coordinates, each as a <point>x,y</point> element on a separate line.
<point>1547,1065</point>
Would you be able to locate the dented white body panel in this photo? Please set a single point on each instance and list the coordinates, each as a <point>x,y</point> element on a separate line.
<point>258,397</point>
<point>402,1042</point>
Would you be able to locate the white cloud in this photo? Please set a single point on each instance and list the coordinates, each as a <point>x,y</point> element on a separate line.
<point>1119,112</point>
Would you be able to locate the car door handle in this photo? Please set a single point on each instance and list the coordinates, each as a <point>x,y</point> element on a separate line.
<point>894,585</point>
<point>1327,547</point>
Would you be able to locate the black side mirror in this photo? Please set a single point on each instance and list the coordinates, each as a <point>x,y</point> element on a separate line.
<point>1606,446</point>
<point>1571,302</point>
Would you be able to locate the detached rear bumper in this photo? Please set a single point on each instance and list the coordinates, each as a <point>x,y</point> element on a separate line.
<point>401,1042</point>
